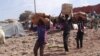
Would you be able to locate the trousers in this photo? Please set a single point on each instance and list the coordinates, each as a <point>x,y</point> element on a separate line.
<point>38,46</point>
<point>79,39</point>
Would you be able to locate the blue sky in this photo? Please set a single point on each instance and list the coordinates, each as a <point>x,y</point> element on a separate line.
<point>11,9</point>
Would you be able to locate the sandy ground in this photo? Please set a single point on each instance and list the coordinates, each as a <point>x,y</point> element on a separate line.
<point>23,46</point>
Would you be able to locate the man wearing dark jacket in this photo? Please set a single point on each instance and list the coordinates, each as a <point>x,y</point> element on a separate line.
<point>66,31</point>
<point>80,33</point>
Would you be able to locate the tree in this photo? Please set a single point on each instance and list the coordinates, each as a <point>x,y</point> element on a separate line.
<point>25,16</point>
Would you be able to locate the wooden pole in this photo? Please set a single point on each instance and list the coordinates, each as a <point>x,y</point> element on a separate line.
<point>35,6</point>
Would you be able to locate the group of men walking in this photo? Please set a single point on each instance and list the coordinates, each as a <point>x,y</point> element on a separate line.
<point>66,27</point>
<point>67,24</point>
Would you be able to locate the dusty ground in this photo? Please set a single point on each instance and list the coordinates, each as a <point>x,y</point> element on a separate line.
<point>23,46</point>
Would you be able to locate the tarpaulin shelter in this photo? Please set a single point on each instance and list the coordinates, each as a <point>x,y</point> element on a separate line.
<point>13,28</point>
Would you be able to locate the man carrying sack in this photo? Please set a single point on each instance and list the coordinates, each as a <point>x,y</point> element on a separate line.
<point>42,22</point>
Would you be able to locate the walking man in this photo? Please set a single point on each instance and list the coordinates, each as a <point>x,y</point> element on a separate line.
<point>80,33</point>
<point>66,31</point>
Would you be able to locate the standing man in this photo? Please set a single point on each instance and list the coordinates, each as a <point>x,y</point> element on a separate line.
<point>80,33</point>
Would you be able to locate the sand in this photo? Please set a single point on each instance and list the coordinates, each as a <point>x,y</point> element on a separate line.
<point>23,46</point>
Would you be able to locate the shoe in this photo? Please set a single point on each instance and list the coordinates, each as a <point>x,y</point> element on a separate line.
<point>66,52</point>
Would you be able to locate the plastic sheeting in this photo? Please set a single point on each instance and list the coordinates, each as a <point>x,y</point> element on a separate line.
<point>13,29</point>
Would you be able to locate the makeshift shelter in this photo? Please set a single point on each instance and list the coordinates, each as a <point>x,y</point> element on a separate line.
<point>13,28</point>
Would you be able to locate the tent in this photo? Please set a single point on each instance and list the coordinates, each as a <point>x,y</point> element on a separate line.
<point>13,28</point>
